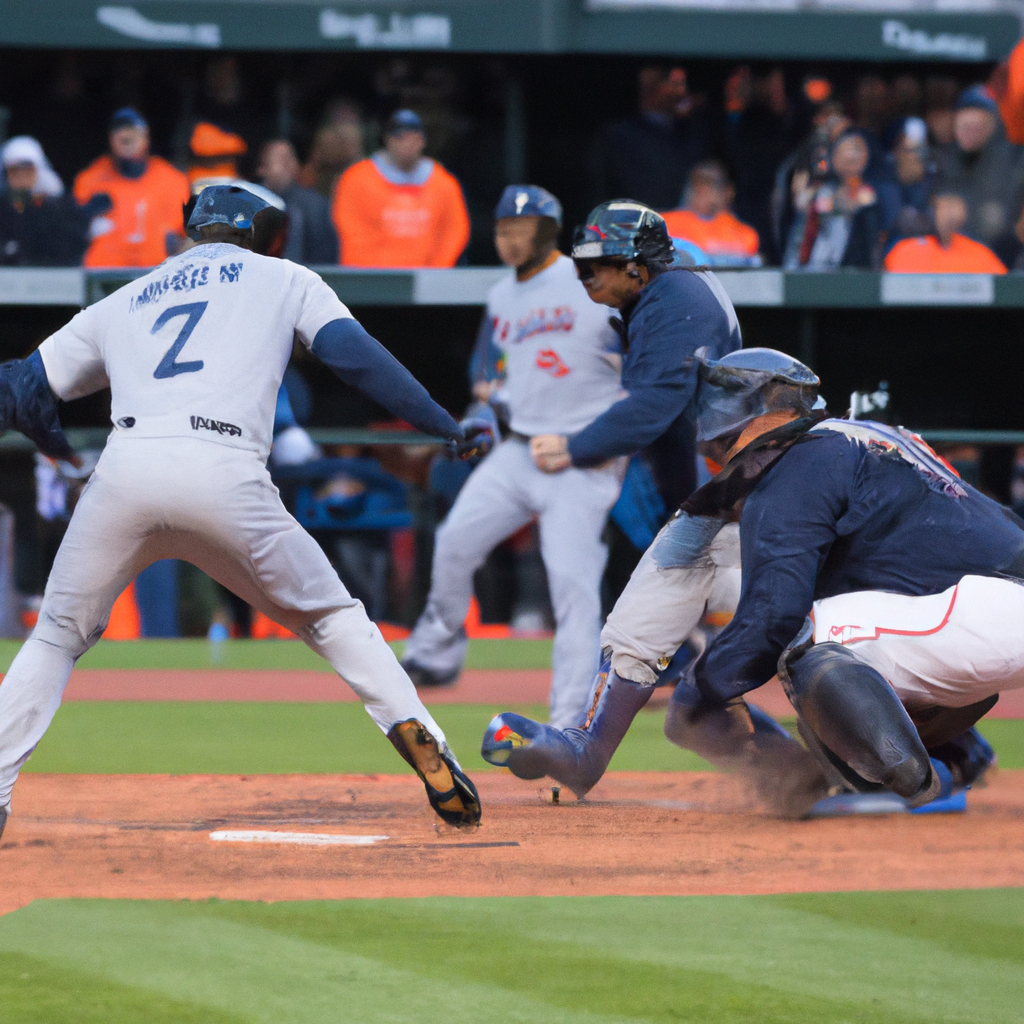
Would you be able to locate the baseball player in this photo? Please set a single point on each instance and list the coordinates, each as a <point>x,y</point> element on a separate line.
<point>562,364</point>
<point>194,353</point>
<point>884,591</point>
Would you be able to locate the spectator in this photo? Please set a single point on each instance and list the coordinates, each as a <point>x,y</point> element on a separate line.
<point>904,196</point>
<point>706,221</point>
<point>336,146</point>
<point>981,165</point>
<point>946,251</point>
<point>40,226</point>
<point>147,193</point>
<point>940,95</point>
<point>311,236</point>
<point>838,220</point>
<point>398,208</point>
<point>649,156</point>
<point>213,155</point>
<point>1007,83</point>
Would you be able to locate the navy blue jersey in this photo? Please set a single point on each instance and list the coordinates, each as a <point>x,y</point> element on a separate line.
<point>838,514</point>
<point>677,313</point>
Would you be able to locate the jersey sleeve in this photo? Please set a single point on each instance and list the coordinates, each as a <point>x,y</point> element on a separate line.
<point>73,358</point>
<point>319,306</point>
<point>787,529</point>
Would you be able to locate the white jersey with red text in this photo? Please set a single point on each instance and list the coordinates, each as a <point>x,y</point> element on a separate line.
<point>562,358</point>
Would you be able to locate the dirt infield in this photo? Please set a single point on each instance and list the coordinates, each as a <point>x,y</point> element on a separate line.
<point>640,834</point>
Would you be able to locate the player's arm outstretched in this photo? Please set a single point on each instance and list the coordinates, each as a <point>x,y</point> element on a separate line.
<point>28,404</point>
<point>363,362</point>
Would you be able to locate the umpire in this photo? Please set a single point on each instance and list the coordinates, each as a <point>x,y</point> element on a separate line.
<point>625,259</point>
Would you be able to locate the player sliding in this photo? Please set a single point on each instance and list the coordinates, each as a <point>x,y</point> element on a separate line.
<point>194,353</point>
<point>884,591</point>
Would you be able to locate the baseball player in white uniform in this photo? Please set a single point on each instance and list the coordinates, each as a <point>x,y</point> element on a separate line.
<point>194,353</point>
<point>562,369</point>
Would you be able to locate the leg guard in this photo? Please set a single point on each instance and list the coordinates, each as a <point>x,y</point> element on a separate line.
<point>853,720</point>
<point>577,757</point>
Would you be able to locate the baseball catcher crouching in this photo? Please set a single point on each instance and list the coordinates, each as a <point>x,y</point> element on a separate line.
<point>884,591</point>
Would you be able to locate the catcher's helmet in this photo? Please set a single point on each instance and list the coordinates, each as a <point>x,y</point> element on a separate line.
<point>528,201</point>
<point>623,229</point>
<point>243,206</point>
<point>746,384</point>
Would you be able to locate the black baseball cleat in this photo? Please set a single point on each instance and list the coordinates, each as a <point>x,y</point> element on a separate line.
<point>421,676</point>
<point>449,789</point>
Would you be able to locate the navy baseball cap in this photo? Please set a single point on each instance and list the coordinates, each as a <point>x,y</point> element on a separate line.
<point>127,117</point>
<point>403,121</point>
<point>528,201</point>
<point>977,96</point>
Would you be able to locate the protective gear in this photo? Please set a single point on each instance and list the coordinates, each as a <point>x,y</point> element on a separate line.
<point>450,791</point>
<point>479,429</point>
<point>242,206</point>
<point>28,404</point>
<point>528,201</point>
<point>578,757</point>
<point>852,720</point>
<point>743,385</point>
<point>624,229</point>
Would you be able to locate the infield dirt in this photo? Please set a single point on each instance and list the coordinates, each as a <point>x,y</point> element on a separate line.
<point>148,836</point>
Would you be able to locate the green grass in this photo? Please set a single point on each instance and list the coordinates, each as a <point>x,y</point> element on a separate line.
<point>272,654</point>
<point>251,738</point>
<point>890,958</point>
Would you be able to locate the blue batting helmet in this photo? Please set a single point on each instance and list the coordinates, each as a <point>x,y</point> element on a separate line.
<point>625,229</point>
<point>528,201</point>
<point>244,206</point>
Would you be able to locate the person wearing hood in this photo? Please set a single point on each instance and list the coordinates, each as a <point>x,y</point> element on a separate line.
<point>40,225</point>
<point>982,166</point>
<point>147,194</point>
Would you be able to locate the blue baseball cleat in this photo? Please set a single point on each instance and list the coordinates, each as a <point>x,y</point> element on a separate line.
<point>522,745</point>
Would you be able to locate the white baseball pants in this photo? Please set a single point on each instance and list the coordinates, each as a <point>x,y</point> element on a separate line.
<point>504,493</point>
<point>214,506</point>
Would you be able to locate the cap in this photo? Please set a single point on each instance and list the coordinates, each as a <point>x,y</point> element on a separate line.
<point>528,201</point>
<point>210,141</point>
<point>977,96</point>
<point>403,121</point>
<point>127,117</point>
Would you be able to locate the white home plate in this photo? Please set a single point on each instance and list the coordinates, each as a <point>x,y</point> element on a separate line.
<point>298,838</point>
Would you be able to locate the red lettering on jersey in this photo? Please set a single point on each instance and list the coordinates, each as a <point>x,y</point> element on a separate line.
<point>549,359</point>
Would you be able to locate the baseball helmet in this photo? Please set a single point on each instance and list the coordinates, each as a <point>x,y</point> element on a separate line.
<point>244,206</point>
<point>623,229</point>
<point>743,385</point>
<point>528,201</point>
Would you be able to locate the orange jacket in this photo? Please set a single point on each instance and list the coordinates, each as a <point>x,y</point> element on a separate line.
<point>719,236</point>
<point>1009,90</point>
<point>385,225</point>
<point>146,210</point>
<point>926,256</point>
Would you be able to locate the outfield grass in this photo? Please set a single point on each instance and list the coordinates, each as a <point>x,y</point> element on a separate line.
<point>890,958</point>
<point>272,654</point>
<point>245,738</point>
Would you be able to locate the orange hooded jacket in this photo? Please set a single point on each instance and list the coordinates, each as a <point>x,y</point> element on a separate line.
<point>383,224</point>
<point>146,210</point>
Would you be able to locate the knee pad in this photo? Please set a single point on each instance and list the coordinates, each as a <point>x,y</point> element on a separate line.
<point>855,715</point>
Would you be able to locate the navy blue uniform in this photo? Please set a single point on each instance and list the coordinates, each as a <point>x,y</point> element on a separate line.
<point>677,313</point>
<point>833,516</point>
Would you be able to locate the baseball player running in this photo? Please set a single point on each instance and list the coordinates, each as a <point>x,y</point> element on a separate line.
<point>194,354</point>
<point>884,591</point>
<point>562,364</point>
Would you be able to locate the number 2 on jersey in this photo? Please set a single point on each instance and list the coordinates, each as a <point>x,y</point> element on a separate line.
<point>168,367</point>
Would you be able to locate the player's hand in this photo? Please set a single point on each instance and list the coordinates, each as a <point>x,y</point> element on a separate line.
<point>550,452</point>
<point>477,438</point>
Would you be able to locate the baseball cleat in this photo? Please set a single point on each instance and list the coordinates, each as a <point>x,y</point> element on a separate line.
<point>450,791</point>
<point>531,750</point>
<point>3,821</point>
<point>844,805</point>
<point>421,676</point>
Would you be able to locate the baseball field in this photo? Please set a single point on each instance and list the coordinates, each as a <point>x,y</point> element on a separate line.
<point>143,876</point>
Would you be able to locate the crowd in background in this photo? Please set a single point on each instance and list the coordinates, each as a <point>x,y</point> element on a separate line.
<point>914,173</point>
